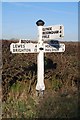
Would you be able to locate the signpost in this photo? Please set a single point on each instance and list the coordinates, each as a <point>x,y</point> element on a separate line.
<point>45,33</point>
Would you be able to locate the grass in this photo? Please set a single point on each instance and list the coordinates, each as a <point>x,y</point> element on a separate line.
<point>58,107</point>
<point>56,84</point>
<point>53,105</point>
<point>19,109</point>
<point>19,104</point>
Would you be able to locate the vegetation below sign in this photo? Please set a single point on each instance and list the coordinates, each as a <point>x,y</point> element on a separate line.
<point>19,76</point>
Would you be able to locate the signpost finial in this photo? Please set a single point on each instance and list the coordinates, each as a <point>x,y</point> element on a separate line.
<point>40,23</point>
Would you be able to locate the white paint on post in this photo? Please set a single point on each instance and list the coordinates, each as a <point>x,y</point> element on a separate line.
<point>40,74</point>
<point>20,41</point>
<point>40,63</point>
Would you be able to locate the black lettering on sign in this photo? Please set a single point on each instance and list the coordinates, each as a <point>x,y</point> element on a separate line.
<point>60,35</point>
<point>18,46</point>
<point>60,27</point>
<point>35,45</point>
<point>21,46</point>
<point>14,46</point>
<point>49,28</point>
<point>21,50</point>
<point>14,50</point>
<point>54,49</point>
<point>50,32</point>
<point>28,50</point>
<point>48,50</point>
<point>46,45</point>
<point>45,36</point>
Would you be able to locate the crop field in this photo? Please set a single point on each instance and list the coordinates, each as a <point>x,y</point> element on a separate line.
<point>62,82</point>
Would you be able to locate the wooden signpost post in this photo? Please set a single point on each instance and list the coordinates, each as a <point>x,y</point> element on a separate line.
<point>45,34</point>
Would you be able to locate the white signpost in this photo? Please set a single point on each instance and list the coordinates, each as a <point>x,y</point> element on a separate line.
<point>45,33</point>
